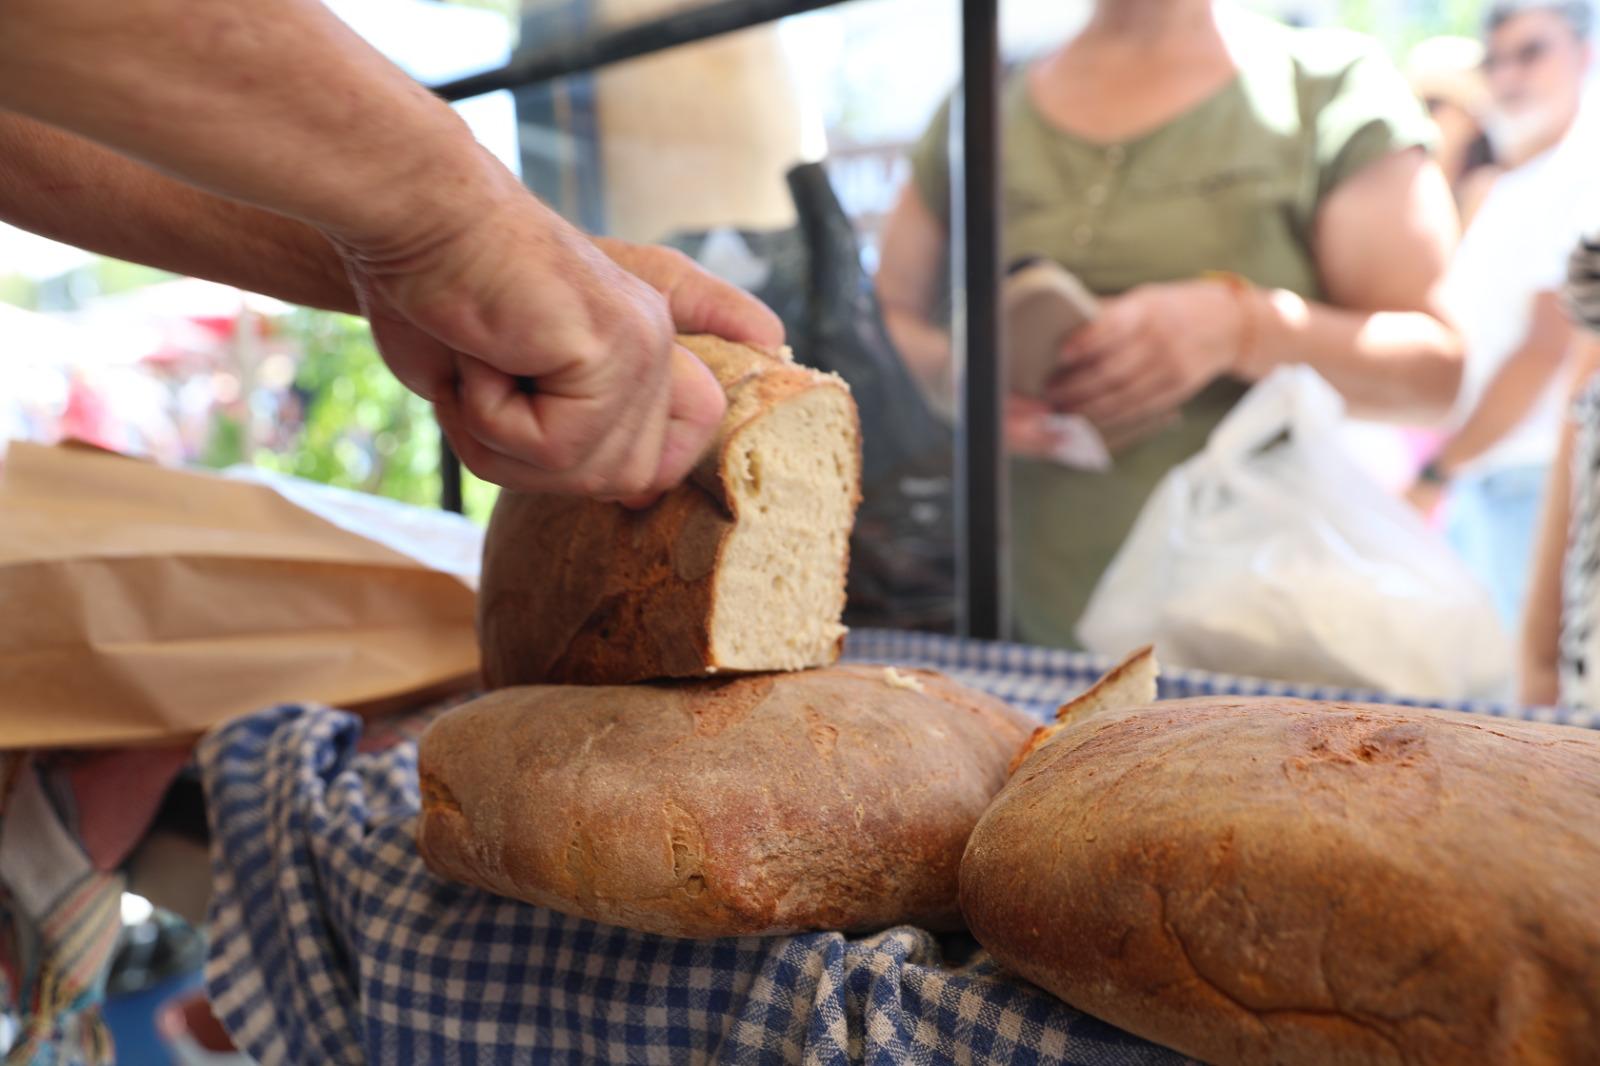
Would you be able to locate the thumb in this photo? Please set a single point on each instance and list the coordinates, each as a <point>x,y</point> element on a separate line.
<point>1117,319</point>
<point>693,415</point>
<point>1028,428</point>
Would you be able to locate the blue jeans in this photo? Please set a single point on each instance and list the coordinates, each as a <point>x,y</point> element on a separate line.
<point>1491,521</point>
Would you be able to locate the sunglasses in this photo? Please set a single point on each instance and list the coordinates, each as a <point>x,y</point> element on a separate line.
<point>1522,58</point>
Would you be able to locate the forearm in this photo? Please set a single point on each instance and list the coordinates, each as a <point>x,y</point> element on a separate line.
<point>1516,386</point>
<point>1392,364</point>
<point>1508,399</point>
<point>61,186</point>
<point>275,103</point>
<point>1541,617</point>
<point>925,348</point>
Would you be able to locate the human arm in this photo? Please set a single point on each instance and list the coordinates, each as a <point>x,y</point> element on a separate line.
<point>72,190</point>
<point>1515,387</point>
<point>470,283</point>
<point>75,191</point>
<point>1539,677</point>
<point>1383,239</point>
<point>909,279</point>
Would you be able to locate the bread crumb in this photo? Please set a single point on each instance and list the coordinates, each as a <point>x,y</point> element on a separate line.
<point>895,679</point>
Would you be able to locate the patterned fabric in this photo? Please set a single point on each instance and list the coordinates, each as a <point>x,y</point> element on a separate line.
<point>1582,292</point>
<point>333,944</point>
<point>59,923</point>
<point>1578,661</point>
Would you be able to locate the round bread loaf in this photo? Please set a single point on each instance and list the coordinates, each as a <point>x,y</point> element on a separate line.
<point>838,798</point>
<point>1276,881</point>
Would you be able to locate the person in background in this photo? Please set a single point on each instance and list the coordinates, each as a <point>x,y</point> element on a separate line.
<point>1561,625</point>
<point>266,145</point>
<point>1502,290</point>
<point>1447,75</point>
<point>1169,141</point>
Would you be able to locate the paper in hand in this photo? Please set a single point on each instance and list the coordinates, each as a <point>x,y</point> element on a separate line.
<point>1079,445</point>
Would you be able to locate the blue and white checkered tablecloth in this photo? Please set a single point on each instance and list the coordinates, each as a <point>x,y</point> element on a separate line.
<point>333,944</point>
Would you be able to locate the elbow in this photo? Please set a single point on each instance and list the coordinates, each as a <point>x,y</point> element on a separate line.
<point>1441,384</point>
<point>1437,372</point>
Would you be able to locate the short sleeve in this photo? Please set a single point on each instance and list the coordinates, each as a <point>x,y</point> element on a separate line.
<point>1368,112</point>
<point>930,164</point>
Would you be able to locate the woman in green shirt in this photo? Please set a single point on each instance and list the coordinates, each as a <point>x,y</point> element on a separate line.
<point>1168,142</point>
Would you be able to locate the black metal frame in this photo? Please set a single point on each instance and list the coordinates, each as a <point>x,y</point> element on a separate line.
<point>981,471</point>
<point>981,481</point>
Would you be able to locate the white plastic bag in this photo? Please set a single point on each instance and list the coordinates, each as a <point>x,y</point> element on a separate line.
<point>1272,554</point>
<point>439,540</point>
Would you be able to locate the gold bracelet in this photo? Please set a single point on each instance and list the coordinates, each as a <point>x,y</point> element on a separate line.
<point>1244,296</point>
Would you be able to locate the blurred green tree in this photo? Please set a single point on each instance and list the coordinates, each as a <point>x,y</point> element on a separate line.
<point>1401,25</point>
<point>359,427</point>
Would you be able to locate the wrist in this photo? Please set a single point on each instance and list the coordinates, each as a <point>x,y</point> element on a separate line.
<point>406,206</point>
<point>1281,318</point>
<point>1435,472</point>
<point>1246,326</point>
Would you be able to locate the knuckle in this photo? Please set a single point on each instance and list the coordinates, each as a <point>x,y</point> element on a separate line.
<point>474,458</point>
<point>679,261</point>
<point>637,484</point>
<point>559,453</point>
<point>591,482</point>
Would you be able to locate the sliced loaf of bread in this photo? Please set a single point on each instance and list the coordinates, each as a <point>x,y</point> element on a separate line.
<point>741,569</point>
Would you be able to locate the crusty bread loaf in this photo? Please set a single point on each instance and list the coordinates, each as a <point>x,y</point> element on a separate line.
<point>740,569</point>
<point>838,798</point>
<point>1276,881</point>
<point>1131,683</point>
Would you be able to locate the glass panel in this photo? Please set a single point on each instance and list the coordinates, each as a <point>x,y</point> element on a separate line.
<point>191,372</point>
<point>774,156</point>
<point>778,157</point>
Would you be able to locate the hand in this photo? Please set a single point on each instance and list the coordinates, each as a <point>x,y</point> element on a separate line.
<point>1032,430</point>
<point>616,409</point>
<point>699,302</point>
<point>1425,496</point>
<point>1028,430</point>
<point>1147,352</point>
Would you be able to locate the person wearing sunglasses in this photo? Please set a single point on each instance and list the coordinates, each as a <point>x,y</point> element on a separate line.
<point>1447,75</point>
<point>1502,291</point>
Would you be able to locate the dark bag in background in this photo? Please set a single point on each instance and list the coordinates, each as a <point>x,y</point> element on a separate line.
<point>902,553</point>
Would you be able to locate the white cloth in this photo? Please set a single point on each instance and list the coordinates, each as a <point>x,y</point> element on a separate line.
<point>1516,249</point>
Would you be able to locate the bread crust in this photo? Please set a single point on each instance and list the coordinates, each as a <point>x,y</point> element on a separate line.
<point>579,591</point>
<point>1278,881</point>
<point>826,799</point>
<point>1130,683</point>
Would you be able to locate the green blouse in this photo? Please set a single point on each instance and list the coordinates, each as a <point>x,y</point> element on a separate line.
<point>1232,184</point>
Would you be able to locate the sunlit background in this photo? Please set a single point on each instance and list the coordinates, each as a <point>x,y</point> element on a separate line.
<point>188,371</point>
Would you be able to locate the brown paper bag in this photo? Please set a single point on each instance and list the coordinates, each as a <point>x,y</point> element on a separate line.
<point>142,604</point>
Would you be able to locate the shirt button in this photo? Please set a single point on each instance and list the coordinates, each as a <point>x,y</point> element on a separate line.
<point>1097,195</point>
<point>1116,154</point>
<point>1083,234</point>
